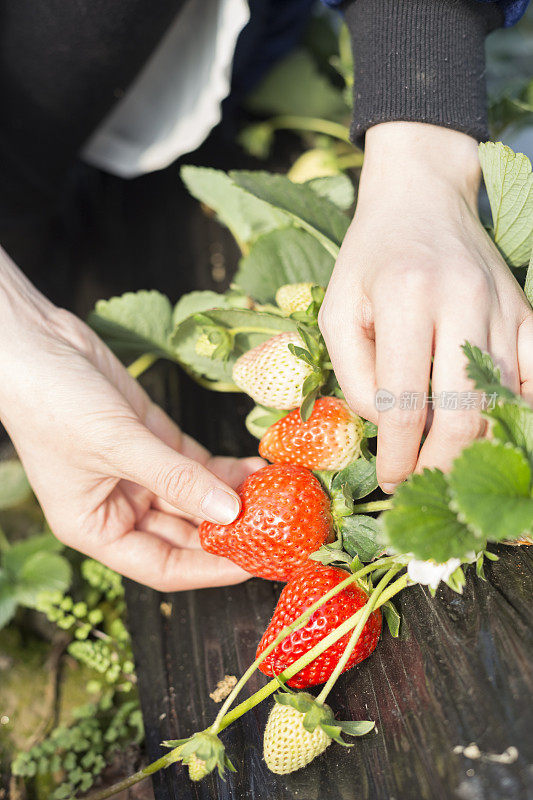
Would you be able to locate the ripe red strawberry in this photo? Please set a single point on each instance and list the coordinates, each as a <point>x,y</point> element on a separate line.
<point>271,374</point>
<point>304,589</point>
<point>285,517</point>
<point>330,439</point>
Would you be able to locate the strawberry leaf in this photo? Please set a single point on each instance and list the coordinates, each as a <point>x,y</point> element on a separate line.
<point>288,255</point>
<point>42,572</point>
<point>197,302</point>
<point>362,536</point>
<point>134,324</point>
<point>317,215</point>
<point>513,424</point>
<point>490,485</point>
<point>8,600</point>
<point>422,523</point>
<point>357,727</point>
<point>509,183</point>
<point>486,376</point>
<point>337,188</point>
<point>246,217</point>
<point>357,479</point>
<point>392,618</point>
<point>260,418</point>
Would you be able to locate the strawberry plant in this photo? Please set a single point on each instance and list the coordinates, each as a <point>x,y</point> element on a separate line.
<point>310,517</point>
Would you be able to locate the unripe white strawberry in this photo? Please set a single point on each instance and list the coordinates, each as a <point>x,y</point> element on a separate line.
<point>287,746</point>
<point>271,375</point>
<point>294,297</point>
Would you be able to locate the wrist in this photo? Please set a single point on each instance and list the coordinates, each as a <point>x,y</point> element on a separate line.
<point>421,155</point>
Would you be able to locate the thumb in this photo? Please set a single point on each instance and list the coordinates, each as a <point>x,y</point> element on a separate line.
<point>182,482</point>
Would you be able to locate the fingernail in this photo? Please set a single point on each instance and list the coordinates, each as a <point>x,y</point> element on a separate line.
<point>389,488</point>
<point>220,506</point>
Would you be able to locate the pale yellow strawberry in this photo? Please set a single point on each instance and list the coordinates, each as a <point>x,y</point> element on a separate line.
<point>271,375</point>
<point>294,297</point>
<point>287,746</point>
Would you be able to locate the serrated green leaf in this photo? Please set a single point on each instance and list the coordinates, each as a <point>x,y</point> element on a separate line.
<point>422,523</point>
<point>369,430</point>
<point>18,554</point>
<point>14,486</point>
<point>317,215</point>
<point>253,328</point>
<point>513,424</point>
<point>509,183</point>
<point>392,618</point>
<point>331,554</point>
<point>246,217</point>
<point>362,536</point>
<point>486,376</point>
<point>8,601</point>
<point>306,92</point>
<point>337,188</point>
<point>134,323</point>
<point>490,484</point>
<point>287,255</point>
<point>42,572</point>
<point>358,479</point>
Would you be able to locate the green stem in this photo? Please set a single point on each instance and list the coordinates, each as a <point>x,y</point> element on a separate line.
<point>141,364</point>
<point>354,638</point>
<point>288,629</point>
<point>174,755</point>
<point>350,160</point>
<point>373,505</point>
<point>251,329</point>
<point>313,124</point>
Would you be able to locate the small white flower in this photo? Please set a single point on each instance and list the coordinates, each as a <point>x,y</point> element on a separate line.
<point>430,573</point>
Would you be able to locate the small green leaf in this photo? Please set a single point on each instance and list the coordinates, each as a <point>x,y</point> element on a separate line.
<point>486,376</point>
<point>422,523</point>
<point>331,554</point>
<point>362,536</point>
<point>392,618</point>
<point>490,484</point>
<point>134,324</point>
<point>18,554</point>
<point>369,430</point>
<point>308,403</point>
<point>14,486</point>
<point>513,424</point>
<point>317,215</point>
<point>509,183</point>
<point>337,188</point>
<point>357,727</point>
<point>197,302</point>
<point>358,479</point>
<point>287,255</point>
<point>261,418</point>
<point>42,572</point>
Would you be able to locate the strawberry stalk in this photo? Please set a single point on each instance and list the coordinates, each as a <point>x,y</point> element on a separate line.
<point>299,622</point>
<point>141,364</point>
<point>174,755</point>
<point>373,505</point>
<point>369,607</point>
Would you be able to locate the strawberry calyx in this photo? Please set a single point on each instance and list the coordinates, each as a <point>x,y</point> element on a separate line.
<point>320,715</point>
<point>202,753</point>
<point>315,355</point>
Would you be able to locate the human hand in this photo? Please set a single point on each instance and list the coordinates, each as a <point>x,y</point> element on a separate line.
<point>116,478</point>
<point>416,277</point>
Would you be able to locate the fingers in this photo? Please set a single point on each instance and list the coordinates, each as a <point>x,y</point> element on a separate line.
<point>183,483</point>
<point>352,353</point>
<point>235,470</point>
<point>174,530</point>
<point>403,361</point>
<point>525,357</point>
<point>155,562</point>
<point>457,414</point>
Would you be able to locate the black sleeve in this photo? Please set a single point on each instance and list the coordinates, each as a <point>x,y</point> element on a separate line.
<point>63,63</point>
<point>420,61</point>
